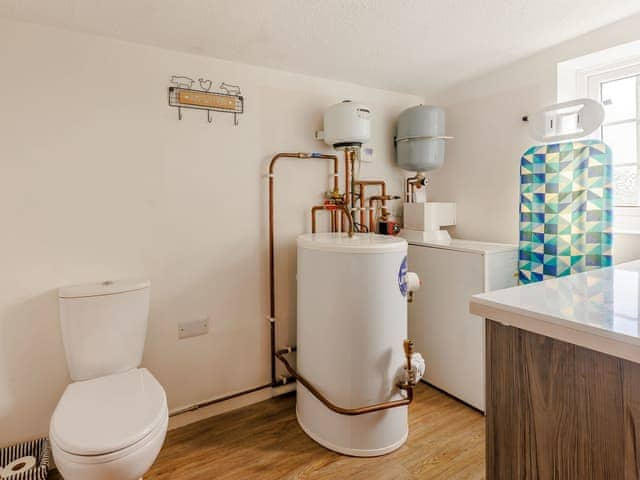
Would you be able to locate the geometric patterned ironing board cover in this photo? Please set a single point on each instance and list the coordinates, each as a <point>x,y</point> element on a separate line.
<point>566,210</point>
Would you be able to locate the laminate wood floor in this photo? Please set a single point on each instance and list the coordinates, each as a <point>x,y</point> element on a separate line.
<point>263,441</point>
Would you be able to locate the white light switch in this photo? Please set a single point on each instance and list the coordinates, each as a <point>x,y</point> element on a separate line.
<point>193,328</point>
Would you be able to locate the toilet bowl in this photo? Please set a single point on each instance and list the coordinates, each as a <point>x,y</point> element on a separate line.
<point>109,428</point>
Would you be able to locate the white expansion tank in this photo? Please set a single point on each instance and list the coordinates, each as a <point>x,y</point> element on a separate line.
<point>347,124</point>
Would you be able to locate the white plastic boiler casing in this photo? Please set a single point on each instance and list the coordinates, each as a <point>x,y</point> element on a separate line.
<point>352,322</point>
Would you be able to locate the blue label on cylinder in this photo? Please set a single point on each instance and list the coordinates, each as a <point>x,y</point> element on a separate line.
<point>402,277</point>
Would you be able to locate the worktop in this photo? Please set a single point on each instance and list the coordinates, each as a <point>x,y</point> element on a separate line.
<point>468,246</point>
<point>563,377</point>
<point>599,310</point>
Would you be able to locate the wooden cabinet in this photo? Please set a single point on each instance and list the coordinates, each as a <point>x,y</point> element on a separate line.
<point>559,411</point>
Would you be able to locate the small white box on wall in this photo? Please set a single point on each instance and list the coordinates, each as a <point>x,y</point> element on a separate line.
<point>429,216</point>
<point>423,220</point>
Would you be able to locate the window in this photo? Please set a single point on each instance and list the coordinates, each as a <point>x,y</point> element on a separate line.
<point>612,76</point>
<point>619,92</point>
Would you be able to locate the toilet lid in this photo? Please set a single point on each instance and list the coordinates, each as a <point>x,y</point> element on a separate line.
<point>108,414</point>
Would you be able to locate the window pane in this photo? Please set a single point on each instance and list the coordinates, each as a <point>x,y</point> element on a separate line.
<point>625,186</point>
<point>619,99</point>
<point>622,139</point>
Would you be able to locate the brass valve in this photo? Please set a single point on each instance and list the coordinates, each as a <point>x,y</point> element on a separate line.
<point>407,383</point>
<point>334,195</point>
<point>408,349</point>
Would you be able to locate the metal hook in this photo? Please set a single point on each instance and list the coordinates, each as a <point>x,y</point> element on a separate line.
<point>235,119</point>
<point>179,113</point>
<point>209,118</point>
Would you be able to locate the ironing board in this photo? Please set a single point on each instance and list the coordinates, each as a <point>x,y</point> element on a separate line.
<point>566,204</point>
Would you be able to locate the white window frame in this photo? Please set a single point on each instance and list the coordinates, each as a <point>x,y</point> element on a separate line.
<point>626,218</point>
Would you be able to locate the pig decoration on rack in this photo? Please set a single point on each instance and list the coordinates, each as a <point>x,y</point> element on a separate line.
<point>181,81</point>
<point>230,89</point>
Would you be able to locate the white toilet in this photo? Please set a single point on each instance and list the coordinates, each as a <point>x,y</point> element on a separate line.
<point>111,422</point>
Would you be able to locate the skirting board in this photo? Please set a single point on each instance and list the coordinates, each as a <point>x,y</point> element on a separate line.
<point>192,416</point>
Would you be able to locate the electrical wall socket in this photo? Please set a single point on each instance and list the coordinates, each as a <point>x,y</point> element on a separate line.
<point>193,328</point>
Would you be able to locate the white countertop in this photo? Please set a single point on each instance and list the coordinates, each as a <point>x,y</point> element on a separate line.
<point>470,246</point>
<point>599,310</point>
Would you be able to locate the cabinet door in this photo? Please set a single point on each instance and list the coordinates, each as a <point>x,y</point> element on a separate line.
<point>448,336</point>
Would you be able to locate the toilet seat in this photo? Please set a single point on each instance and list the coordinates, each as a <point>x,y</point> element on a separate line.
<point>130,463</point>
<point>102,417</point>
<point>152,442</point>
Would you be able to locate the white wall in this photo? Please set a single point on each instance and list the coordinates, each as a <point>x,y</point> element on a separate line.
<point>481,172</point>
<point>99,180</point>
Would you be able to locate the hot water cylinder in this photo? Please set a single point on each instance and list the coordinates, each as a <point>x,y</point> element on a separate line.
<point>352,321</point>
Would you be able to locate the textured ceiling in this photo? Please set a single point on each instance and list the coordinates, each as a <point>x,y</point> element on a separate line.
<point>417,46</point>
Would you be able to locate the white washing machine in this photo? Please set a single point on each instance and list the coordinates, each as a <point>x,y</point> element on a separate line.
<point>452,340</point>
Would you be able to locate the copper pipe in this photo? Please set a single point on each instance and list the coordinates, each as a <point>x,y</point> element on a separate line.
<point>350,229</point>
<point>335,193</point>
<point>352,200</point>
<point>408,387</point>
<point>350,181</point>
<point>313,216</point>
<point>383,192</point>
<point>383,198</point>
<point>371,212</point>
<point>372,220</point>
<point>272,274</point>
<point>347,183</point>
<point>332,208</point>
<point>336,178</point>
<point>200,405</point>
<point>418,181</point>
<point>371,183</point>
<point>361,204</point>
